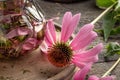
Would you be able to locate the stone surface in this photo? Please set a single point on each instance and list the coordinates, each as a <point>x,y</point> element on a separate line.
<point>30,69</point>
<point>89,12</point>
<point>32,66</point>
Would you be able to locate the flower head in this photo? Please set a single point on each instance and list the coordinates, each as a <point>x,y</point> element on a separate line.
<point>61,51</point>
<point>81,74</point>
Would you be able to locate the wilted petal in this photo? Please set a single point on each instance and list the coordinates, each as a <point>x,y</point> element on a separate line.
<point>81,74</point>
<point>29,44</point>
<point>18,32</point>
<point>11,34</point>
<point>23,31</point>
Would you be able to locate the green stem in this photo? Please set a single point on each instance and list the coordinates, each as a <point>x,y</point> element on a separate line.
<point>102,14</point>
<point>115,64</point>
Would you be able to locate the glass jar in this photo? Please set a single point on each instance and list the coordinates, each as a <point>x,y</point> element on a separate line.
<point>21,27</point>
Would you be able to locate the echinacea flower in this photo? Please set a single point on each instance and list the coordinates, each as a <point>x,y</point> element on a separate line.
<point>62,51</point>
<point>81,74</point>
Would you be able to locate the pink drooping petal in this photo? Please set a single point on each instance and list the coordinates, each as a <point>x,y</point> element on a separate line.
<point>86,59</point>
<point>79,64</point>
<point>29,44</point>
<point>51,28</point>
<point>65,23</point>
<point>44,47</point>
<point>92,52</point>
<point>47,41</point>
<point>71,27</point>
<point>93,77</point>
<point>81,59</point>
<point>50,32</point>
<point>85,41</point>
<point>18,32</point>
<point>81,74</point>
<point>108,78</point>
<point>84,31</point>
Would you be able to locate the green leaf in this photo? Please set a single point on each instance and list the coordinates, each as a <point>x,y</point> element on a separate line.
<point>115,31</point>
<point>104,3</point>
<point>117,16</point>
<point>112,48</point>
<point>108,24</point>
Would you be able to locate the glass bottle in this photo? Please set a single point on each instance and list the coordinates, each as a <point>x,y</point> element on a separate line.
<point>21,27</point>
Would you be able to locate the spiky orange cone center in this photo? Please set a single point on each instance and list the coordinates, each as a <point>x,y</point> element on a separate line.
<point>60,54</point>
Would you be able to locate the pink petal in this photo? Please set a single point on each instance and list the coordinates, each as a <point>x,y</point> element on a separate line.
<point>29,44</point>
<point>108,78</point>
<point>85,41</point>
<point>11,34</point>
<point>44,47</point>
<point>93,78</point>
<point>81,59</point>
<point>84,31</point>
<point>65,23</point>
<point>51,28</point>
<point>50,32</point>
<point>23,31</point>
<point>18,32</point>
<point>81,74</point>
<point>71,27</point>
<point>47,41</point>
<point>86,59</point>
<point>92,52</point>
<point>79,64</point>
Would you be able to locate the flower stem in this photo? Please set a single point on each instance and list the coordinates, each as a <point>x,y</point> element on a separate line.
<point>115,64</point>
<point>102,14</point>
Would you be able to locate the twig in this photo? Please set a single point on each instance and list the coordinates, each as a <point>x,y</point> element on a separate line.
<point>115,64</point>
<point>102,14</point>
